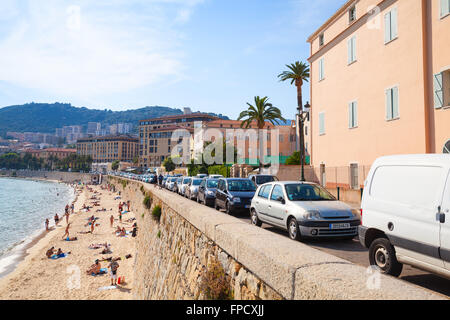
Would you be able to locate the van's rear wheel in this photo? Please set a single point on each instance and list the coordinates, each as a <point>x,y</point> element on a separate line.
<point>382,256</point>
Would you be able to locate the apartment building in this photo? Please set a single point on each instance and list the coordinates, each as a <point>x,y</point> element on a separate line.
<point>109,149</point>
<point>380,83</point>
<point>287,140</point>
<point>58,153</point>
<point>155,136</point>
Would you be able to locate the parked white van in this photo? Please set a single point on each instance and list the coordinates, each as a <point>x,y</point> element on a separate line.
<point>406,213</point>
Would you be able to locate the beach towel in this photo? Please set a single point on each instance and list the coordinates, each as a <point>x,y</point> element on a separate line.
<point>55,256</point>
<point>107,288</point>
<point>123,212</point>
<point>102,272</point>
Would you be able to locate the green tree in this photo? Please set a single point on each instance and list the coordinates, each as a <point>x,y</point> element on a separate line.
<point>261,112</point>
<point>294,159</point>
<point>298,73</point>
<point>169,165</point>
<point>115,165</point>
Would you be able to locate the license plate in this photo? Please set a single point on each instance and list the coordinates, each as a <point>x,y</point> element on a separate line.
<point>247,206</point>
<point>337,226</point>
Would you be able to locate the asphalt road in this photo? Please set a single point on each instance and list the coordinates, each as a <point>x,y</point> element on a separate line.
<point>353,251</point>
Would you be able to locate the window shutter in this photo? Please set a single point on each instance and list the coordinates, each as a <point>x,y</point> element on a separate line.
<point>387,27</point>
<point>321,123</point>
<point>321,73</point>
<point>438,91</point>
<point>394,23</point>
<point>355,114</point>
<point>354,48</point>
<point>350,115</point>
<point>445,7</point>
<point>395,112</point>
<point>388,104</point>
<point>350,53</point>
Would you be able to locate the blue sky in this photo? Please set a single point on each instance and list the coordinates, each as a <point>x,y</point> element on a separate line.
<point>209,55</point>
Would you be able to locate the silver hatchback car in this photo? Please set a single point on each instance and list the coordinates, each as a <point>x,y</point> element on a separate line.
<point>303,209</point>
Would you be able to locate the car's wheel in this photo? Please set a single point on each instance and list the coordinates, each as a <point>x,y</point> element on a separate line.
<point>228,208</point>
<point>216,206</point>
<point>255,219</point>
<point>382,256</point>
<point>293,229</point>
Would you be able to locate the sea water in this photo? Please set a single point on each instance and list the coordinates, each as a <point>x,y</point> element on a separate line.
<point>24,206</point>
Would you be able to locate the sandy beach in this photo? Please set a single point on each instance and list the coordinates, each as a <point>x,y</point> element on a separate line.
<point>38,277</point>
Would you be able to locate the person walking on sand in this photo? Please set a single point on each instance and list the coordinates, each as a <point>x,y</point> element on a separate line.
<point>120,216</point>
<point>67,232</point>
<point>56,219</point>
<point>113,267</point>
<point>111,219</point>
<point>46,224</point>
<point>73,207</point>
<point>67,217</point>
<point>92,226</point>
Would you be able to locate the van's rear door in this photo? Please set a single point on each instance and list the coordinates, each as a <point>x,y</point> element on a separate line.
<point>445,226</point>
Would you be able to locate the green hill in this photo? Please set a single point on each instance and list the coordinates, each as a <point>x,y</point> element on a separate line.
<point>41,117</point>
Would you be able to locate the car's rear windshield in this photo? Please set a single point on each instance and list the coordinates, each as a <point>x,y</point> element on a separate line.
<point>212,183</point>
<point>308,192</point>
<point>196,182</point>
<point>264,179</point>
<point>241,185</point>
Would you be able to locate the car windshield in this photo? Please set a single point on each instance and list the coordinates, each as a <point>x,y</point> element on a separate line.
<point>308,192</point>
<point>241,185</point>
<point>212,183</point>
<point>187,180</point>
<point>264,179</point>
<point>196,182</point>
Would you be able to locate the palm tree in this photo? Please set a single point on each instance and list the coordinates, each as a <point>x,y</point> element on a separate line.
<point>261,112</point>
<point>298,73</point>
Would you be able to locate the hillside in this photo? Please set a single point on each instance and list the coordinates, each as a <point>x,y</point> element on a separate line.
<point>40,117</point>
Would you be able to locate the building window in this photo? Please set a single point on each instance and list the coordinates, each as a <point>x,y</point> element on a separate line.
<point>442,89</point>
<point>392,111</point>
<point>352,14</point>
<point>353,114</point>
<point>321,69</point>
<point>445,8</point>
<point>352,50</point>
<point>321,123</point>
<point>390,26</point>
<point>321,39</point>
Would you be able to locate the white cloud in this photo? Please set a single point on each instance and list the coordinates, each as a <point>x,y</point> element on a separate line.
<point>86,49</point>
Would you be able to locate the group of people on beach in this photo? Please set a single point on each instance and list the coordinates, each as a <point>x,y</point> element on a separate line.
<point>96,268</point>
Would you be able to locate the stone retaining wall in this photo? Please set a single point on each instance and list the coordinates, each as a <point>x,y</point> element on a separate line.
<point>174,255</point>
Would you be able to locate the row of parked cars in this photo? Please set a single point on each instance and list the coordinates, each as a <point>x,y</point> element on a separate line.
<point>303,209</point>
<point>402,220</point>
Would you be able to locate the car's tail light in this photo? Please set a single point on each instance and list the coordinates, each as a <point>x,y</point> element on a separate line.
<point>361,217</point>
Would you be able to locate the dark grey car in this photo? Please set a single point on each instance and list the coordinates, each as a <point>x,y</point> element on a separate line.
<point>207,192</point>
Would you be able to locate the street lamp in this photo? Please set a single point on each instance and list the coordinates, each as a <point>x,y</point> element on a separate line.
<point>303,114</point>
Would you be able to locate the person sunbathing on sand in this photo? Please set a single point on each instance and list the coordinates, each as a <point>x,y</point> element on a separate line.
<point>95,268</point>
<point>50,252</point>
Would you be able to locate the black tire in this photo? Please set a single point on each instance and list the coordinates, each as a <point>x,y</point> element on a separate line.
<point>216,206</point>
<point>228,209</point>
<point>293,229</point>
<point>254,218</point>
<point>382,256</point>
